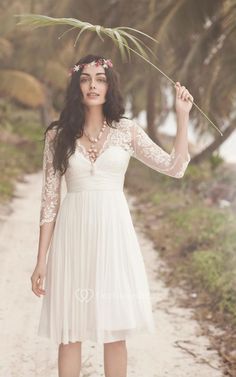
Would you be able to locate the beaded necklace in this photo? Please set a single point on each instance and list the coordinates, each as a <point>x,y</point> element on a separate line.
<point>92,151</point>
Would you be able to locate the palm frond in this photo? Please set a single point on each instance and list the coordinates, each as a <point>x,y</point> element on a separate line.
<point>119,36</point>
<point>136,42</point>
<point>98,31</point>
<point>123,44</point>
<point>84,28</point>
<point>137,31</point>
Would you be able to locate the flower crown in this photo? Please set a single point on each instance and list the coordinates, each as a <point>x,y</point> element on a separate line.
<point>105,63</point>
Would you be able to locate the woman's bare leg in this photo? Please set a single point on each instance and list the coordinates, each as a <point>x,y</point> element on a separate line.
<point>115,359</point>
<point>69,359</point>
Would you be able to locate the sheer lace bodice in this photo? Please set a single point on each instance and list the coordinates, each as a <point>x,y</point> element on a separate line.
<point>129,137</point>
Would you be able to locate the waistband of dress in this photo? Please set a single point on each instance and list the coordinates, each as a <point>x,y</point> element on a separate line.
<point>93,189</point>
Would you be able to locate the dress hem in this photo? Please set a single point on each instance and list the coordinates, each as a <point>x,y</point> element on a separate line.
<point>129,333</point>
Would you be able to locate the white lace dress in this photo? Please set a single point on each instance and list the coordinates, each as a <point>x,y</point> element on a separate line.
<point>96,283</point>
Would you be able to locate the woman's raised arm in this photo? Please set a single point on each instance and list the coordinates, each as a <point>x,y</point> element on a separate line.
<point>152,155</point>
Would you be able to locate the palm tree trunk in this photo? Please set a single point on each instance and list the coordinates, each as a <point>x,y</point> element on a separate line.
<point>151,110</point>
<point>207,152</point>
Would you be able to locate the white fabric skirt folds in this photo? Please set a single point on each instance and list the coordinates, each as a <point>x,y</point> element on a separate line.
<point>96,284</point>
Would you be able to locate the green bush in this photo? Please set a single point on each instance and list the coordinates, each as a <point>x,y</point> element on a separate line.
<point>22,152</point>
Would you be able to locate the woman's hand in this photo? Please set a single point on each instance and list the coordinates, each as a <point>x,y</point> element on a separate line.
<point>37,279</point>
<point>182,103</point>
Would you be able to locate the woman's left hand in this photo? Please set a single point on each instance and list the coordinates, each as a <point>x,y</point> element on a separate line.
<point>182,103</point>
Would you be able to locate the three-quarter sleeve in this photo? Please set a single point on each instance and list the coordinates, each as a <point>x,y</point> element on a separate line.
<point>152,155</point>
<point>51,183</point>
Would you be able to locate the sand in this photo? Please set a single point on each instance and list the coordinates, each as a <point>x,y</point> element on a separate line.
<point>178,349</point>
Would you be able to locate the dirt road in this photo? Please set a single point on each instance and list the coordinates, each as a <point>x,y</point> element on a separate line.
<point>177,350</point>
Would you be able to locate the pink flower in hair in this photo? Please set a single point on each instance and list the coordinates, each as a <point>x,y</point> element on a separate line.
<point>105,63</point>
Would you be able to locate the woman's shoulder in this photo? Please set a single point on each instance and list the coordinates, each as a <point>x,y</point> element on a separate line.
<point>126,123</point>
<point>51,131</point>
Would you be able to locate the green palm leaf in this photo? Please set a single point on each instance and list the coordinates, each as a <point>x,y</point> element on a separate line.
<point>138,31</point>
<point>120,36</point>
<point>84,28</point>
<point>122,43</point>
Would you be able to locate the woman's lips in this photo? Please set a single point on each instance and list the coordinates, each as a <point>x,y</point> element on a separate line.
<point>92,95</point>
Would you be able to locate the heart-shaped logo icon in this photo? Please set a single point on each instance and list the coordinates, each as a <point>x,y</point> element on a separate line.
<point>84,294</point>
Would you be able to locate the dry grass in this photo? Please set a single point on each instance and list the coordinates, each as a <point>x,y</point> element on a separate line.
<point>196,238</point>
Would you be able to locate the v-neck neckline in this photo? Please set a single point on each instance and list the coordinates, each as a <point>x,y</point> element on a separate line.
<point>84,151</point>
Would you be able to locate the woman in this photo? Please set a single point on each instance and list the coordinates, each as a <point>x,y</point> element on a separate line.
<point>96,286</point>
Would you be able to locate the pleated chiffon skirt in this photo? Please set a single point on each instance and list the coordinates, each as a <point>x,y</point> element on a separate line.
<point>96,284</point>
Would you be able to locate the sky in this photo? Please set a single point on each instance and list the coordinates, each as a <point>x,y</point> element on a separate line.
<point>227,149</point>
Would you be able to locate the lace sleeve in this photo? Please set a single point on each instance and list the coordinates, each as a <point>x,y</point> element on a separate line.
<point>51,183</point>
<point>152,155</point>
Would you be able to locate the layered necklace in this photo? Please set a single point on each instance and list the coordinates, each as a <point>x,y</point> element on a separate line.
<point>92,151</point>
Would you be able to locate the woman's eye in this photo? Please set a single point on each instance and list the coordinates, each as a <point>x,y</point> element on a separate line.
<point>101,80</point>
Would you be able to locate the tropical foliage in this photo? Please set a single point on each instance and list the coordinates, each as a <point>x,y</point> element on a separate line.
<point>196,47</point>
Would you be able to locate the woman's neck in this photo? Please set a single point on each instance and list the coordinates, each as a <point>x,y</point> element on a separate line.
<point>94,118</point>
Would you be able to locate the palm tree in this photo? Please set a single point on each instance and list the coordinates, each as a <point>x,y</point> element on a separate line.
<point>199,57</point>
<point>202,59</point>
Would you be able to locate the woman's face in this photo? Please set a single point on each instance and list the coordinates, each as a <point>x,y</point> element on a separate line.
<point>93,80</point>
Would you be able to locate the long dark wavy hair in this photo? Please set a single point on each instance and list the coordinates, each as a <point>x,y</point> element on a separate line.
<point>70,124</point>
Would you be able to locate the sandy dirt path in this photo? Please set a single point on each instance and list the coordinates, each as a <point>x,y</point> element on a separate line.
<point>178,349</point>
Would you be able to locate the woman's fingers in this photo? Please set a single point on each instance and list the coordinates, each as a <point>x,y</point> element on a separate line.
<point>34,287</point>
<point>179,89</point>
<point>40,286</point>
<point>37,285</point>
<point>182,92</point>
<point>185,94</point>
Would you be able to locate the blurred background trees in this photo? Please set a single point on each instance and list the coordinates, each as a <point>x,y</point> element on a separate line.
<point>196,47</point>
